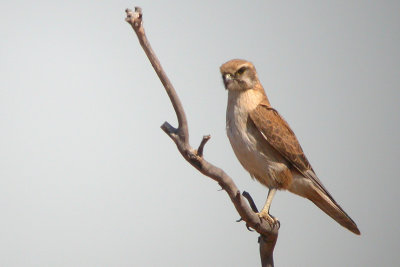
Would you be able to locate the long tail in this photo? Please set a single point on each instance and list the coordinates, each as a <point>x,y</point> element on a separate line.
<point>321,197</point>
<point>330,207</point>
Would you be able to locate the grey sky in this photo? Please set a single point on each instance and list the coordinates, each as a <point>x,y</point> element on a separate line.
<point>89,179</point>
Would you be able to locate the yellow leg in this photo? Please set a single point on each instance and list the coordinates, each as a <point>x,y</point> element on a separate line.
<point>265,211</point>
<point>271,194</point>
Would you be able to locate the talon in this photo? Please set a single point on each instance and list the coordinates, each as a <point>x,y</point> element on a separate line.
<point>272,221</point>
<point>247,225</point>
<point>248,228</point>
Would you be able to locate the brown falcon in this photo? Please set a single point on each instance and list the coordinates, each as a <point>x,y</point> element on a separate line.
<point>266,146</point>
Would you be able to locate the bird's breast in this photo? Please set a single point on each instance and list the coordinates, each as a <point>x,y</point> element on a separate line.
<point>250,147</point>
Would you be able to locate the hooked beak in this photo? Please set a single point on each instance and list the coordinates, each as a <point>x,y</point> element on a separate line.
<point>227,79</point>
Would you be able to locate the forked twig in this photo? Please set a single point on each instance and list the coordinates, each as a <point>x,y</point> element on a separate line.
<point>202,144</point>
<point>180,136</point>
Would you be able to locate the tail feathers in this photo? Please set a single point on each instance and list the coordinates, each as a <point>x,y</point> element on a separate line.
<point>327,204</point>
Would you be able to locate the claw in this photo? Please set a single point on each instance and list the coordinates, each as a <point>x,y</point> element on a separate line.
<point>247,225</point>
<point>248,228</point>
<point>272,221</point>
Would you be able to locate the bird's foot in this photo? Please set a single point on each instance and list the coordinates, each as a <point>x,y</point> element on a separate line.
<point>272,221</point>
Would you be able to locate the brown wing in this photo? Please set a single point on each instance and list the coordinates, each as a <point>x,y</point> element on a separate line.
<point>278,134</point>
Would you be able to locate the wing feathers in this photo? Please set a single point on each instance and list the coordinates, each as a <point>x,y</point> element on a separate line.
<point>278,134</point>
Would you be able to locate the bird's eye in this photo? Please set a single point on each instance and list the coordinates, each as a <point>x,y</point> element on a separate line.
<point>241,70</point>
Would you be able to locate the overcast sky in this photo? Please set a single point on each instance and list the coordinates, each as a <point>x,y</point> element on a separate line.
<point>87,177</point>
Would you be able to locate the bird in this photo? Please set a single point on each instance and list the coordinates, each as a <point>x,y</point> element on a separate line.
<point>266,146</point>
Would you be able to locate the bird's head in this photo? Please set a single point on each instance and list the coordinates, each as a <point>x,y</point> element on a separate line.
<point>239,75</point>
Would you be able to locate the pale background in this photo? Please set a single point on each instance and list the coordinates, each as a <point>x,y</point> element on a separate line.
<point>89,179</point>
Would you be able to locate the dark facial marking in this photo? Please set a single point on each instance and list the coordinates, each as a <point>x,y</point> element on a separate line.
<point>241,70</point>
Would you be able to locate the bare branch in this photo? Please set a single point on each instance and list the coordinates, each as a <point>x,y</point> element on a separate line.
<point>202,144</point>
<point>180,135</point>
<point>135,19</point>
<point>267,245</point>
<point>250,200</point>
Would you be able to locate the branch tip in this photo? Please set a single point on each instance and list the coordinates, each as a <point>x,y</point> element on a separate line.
<point>251,201</point>
<point>139,11</point>
<point>202,144</point>
<point>134,18</point>
<point>168,128</point>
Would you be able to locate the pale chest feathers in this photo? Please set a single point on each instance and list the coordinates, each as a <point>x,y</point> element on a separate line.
<point>254,153</point>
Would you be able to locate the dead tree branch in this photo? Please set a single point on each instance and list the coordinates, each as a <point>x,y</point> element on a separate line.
<point>180,135</point>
